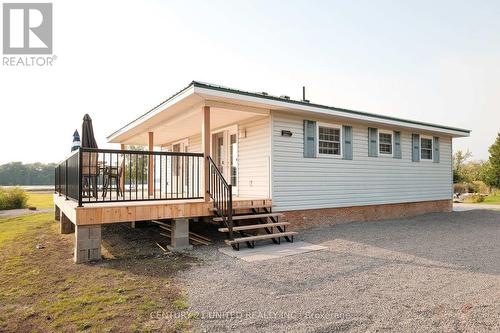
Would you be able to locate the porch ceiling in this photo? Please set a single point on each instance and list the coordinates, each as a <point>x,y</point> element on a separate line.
<point>187,122</point>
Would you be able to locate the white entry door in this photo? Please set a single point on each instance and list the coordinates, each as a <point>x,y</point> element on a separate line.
<point>225,155</point>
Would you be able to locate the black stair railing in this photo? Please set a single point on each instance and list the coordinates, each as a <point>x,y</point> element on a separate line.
<point>222,195</point>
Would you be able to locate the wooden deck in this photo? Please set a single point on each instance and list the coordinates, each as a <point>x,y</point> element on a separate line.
<point>116,212</point>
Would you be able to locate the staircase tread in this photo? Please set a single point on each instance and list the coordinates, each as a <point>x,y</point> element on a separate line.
<point>213,209</point>
<point>254,206</point>
<point>259,237</point>
<point>252,216</point>
<point>255,226</point>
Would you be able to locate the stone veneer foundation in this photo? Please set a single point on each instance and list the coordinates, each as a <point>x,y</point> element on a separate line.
<point>311,217</point>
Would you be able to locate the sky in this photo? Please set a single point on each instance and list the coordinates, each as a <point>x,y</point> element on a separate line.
<point>432,61</point>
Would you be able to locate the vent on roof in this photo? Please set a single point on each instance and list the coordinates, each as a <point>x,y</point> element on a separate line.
<point>285,97</point>
<point>304,95</point>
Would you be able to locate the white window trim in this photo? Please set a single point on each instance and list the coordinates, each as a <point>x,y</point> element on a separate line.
<point>336,126</point>
<point>392,143</point>
<point>432,148</point>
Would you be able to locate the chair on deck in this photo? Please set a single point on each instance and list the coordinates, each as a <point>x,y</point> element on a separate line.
<point>90,174</point>
<point>114,172</point>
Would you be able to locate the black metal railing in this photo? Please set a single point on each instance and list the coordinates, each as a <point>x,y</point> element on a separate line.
<point>107,175</point>
<point>66,177</point>
<point>222,195</point>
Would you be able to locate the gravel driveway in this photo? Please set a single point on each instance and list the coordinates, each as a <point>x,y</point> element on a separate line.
<point>22,212</point>
<point>433,273</point>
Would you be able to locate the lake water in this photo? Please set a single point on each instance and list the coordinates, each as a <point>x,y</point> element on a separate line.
<point>33,188</point>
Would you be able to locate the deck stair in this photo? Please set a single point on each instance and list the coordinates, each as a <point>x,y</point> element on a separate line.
<point>251,216</point>
<point>248,222</point>
<point>255,223</point>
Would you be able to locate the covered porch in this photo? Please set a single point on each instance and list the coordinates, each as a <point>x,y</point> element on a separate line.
<point>199,161</point>
<point>236,137</point>
<point>173,156</point>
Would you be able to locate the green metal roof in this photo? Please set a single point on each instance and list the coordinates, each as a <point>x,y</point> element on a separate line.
<point>292,101</point>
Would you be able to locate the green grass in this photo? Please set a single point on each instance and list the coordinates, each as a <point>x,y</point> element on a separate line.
<point>42,290</point>
<point>14,228</point>
<point>40,200</point>
<point>492,200</point>
<point>180,304</point>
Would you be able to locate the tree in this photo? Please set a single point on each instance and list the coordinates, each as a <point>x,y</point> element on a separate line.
<point>492,172</point>
<point>136,166</point>
<point>472,171</point>
<point>459,159</point>
<point>17,173</point>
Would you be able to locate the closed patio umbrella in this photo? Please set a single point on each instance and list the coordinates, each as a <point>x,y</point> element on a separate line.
<point>90,167</point>
<point>76,141</point>
<point>88,139</point>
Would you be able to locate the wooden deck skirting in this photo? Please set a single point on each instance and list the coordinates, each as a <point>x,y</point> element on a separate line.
<point>116,212</point>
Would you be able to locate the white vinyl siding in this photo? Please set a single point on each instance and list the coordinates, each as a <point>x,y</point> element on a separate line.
<point>194,144</point>
<point>308,183</point>
<point>191,167</point>
<point>254,153</point>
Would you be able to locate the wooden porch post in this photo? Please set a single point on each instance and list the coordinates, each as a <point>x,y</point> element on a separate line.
<point>150,165</point>
<point>122,175</point>
<point>205,143</point>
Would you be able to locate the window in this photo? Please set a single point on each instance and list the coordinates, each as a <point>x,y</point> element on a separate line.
<point>425,148</point>
<point>385,143</point>
<point>329,139</point>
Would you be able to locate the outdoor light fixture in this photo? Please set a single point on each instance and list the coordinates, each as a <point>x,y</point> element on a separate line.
<point>242,133</point>
<point>286,133</point>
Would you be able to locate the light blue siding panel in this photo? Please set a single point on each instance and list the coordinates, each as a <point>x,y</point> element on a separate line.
<point>372,142</point>
<point>397,145</point>
<point>309,138</point>
<point>415,152</point>
<point>436,149</point>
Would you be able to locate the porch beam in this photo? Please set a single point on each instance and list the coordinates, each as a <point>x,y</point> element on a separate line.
<point>205,143</point>
<point>237,107</point>
<point>150,164</point>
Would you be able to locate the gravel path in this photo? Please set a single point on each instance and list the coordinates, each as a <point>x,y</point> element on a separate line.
<point>21,212</point>
<point>434,273</point>
<point>460,207</point>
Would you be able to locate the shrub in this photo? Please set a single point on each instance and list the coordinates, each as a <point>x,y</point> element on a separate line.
<point>472,188</point>
<point>475,198</point>
<point>481,187</point>
<point>3,199</point>
<point>461,188</point>
<point>13,198</point>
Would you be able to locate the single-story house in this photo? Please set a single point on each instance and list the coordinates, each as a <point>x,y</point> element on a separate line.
<point>213,149</point>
